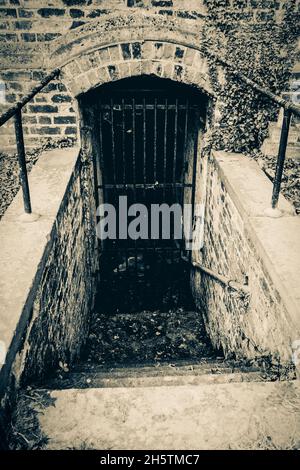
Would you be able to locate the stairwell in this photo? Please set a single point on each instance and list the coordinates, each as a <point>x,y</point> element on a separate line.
<point>150,379</point>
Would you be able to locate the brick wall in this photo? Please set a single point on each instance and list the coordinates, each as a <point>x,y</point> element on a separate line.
<point>235,246</point>
<point>65,295</point>
<point>53,263</point>
<point>29,27</point>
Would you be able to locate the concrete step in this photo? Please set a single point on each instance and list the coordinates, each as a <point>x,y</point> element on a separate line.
<point>255,415</point>
<point>275,133</point>
<point>180,373</point>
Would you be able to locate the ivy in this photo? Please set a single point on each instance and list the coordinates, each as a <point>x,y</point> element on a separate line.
<point>264,52</point>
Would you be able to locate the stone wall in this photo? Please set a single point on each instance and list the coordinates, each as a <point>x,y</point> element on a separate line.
<point>65,295</point>
<point>245,245</point>
<point>53,263</point>
<point>29,30</point>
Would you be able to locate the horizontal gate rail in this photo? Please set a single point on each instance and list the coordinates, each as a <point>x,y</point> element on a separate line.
<point>140,107</point>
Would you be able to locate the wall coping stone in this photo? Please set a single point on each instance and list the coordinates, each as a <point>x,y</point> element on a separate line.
<point>276,241</point>
<point>23,245</point>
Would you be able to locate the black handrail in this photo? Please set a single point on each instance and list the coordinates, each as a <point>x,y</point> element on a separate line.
<point>16,112</point>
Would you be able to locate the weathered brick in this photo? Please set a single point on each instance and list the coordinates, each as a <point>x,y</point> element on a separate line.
<point>43,108</point>
<point>48,12</point>
<point>28,37</point>
<point>76,13</point>
<point>64,119</point>
<point>8,13</point>
<point>136,50</point>
<point>71,131</point>
<point>61,98</point>
<point>44,37</point>
<point>45,130</point>
<point>44,120</point>
<point>23,24</point>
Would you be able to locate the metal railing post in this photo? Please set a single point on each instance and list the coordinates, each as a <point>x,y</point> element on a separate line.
<point>22,161</point>
<point>281,157</point>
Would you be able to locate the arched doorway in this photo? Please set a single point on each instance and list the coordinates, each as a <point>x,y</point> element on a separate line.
<point>146,139</point>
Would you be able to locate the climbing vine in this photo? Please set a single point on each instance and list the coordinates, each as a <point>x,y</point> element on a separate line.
<point>265,53</point>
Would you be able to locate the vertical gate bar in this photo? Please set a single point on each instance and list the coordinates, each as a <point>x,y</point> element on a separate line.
<point>133,144</point>
<point>155,139</point>
<point>194,179</point>
<point>174,188</point>
<point>165,146</point>
<point>113,139</point>
<point>124,172</point>
<point>103,175</point>
<point>144,143</point>
<point>95,156</point>
<point>134,173</point>
<point>175,142</point>
<point>22,161</point>
<point>123,141</point>
<point>281,157</point>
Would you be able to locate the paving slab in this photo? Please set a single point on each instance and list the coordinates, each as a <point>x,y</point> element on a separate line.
<point>218,416</point>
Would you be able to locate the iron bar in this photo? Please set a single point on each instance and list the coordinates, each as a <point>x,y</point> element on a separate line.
<point>165,146</point>
<point>22,161</point>
<point>183,171</point>
<point>134,173</point>
<point>113,139</point>
<point>13,110</point>
<point>151,107</point>
<point>144,141</point>
<point>194,186</point>
<point>123,141</point>
<point>175,141</point>
<point>146,186</point>
<point>281,157</point>
<point>133,142</point>
<point>155,140</point>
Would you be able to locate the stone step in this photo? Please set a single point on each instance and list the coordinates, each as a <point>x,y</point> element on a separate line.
<point>188,373</point>
<point>255,415</point>
<point>275,133</point>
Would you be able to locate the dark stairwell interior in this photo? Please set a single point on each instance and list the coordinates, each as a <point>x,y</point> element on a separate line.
<point>145,330</point>
<point>146,143</point>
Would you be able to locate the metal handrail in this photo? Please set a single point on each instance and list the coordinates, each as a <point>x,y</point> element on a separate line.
<point>16,112</point>
<point>289,109</point>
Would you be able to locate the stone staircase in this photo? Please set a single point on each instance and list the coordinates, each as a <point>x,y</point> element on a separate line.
<point>151,380</point>
<point>209,404</point>
<point>271,144</point>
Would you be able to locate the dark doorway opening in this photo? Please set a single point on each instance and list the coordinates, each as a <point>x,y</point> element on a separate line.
<point>146,141</point>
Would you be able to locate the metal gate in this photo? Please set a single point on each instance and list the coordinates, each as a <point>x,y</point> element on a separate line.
<point>147,151</point>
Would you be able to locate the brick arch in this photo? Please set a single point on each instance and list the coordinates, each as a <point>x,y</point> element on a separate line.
<point>123,46</point>
<point>124,60</point>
